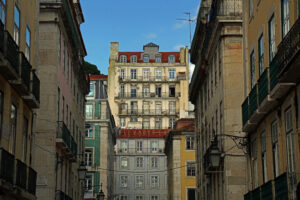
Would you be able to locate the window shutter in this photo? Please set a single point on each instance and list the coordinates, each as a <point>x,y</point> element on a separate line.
<point>97,110</point>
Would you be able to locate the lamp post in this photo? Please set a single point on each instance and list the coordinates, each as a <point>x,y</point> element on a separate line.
<point>100,195</point>
<point>214,154</point>
<point>82,171</point>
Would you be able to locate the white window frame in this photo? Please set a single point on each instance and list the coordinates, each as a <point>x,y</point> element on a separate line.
<point>17,25</point>
<point>123,181</point>
<point>146,74</point>
<point>157,58</point>
<point>139,162</point>
<point>89,182</point>
<point>123,58</point>
<point>172,74</point>
<point>139,146</point>
<point>154,148</point>
<point>275,148</point>
<point>88,156</point>
<point>88,130</point>
<point>133,59</point>
<point>89,111</point>
<point>190,143</point>
<point>124,162</point>
<point>133,74</point>
<point>124,146</point>
<point>146,58</point>
<point>190,168</point>
<point>272,38</point>
<point>285,8</point>
<point>122,122</point>
<point>122,74</point>
<point>171,58</point>
<point>290,140</point>
<point>154,181</point>
<point>139,181</point>
<point>28,43</point>
<point>154,162</point>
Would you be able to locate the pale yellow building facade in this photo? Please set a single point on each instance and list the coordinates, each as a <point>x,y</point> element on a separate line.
<point>148,89</point>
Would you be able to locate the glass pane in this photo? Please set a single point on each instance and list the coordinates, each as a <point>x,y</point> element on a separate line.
<point>17,16</point>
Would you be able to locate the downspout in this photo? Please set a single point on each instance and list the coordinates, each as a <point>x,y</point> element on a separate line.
<point>56,167</point>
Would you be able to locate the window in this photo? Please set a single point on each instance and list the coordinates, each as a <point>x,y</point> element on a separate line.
<point>275,148</point>
<point>263,155</point>
<point>133,119</point>
<point>158,91</point>
<point>124,181</point>
<point>190,168</point>
<point>254,163</point>
<point>146,122</point>
<point>158,58</point>
<point>171,74</point>
<point>154,146</point>
<point>285,17</point>
<point>133,107</point>
<point>154,197</point>
<point>191,194</point>
<point>272,45</point>
<point>172,107</point>
<point>139,146</point>
<point>124,162</point>
<point>123,197</point>
<point>88,157</point>
<point>172,123</point>
<point>146,74</point>
<point>27,47</point>
<point>252,69</point>
<point>124,146</point>
<point>2,10</point>
<point>171,58</point>
<point>158,108</point>
<point>158,123</point>
<point>133,74</point>
<point>24,138</point>
<point>88,110</point>
<point>146,91</point>
<point>17,25</point>
<point>133,91</point>
<point>146,107</point>
<point>139,197</point>
<point>13,128</point>
<point>88,182</point>
<point>1,111</point>
<point>122,122</point>
<point>172,91</point>
<point>122,89</point>
<point>189,142</point>
<point>154,181</point>
<point>139,162</point>
<point>146,58</point>
<point>88,130</point>
<point>290,140</point>
<point>122,74</point>
<point>133,59</point>
<point>91,93</point>
<point>123,59</point>
<point>261,54</point>
<point>250,8</point>
<point>139,181</point>
<point>123,108</point>
<point>154,162</point>
<point>158,74</point>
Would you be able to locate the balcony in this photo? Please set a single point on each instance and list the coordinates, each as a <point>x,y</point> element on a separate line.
<point>281,187</point>
<point>60,195</point>
<point>14,172</point>
<point>148,112</point>
<point>134,151</point>
<point>7,166</point>
<point>153,79</point>
<point>33,99</point>
<point>65,141</point>
<point>142,95</point>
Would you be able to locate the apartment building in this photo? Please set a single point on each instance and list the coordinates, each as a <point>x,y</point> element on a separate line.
<point>270,108</point>
<point>100,139</point>
<point>60,120</point>
<point>19,98</point>
<point>181,161</point>
<point>148,89</point>
<point>216,91</point>
<point>141,165</point>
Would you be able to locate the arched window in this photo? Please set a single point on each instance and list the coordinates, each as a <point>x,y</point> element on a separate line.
<point>157,58</point>
<point>146,58</point>
<point>123,58</point>
<point>133,59</point>
<point>171,58</point>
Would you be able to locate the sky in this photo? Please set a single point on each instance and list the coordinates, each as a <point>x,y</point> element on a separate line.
<point>134,23</point>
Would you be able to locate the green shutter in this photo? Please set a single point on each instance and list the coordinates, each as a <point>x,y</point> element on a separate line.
<point>96,182</point>
<point>97,146</point>
<point>97,110</point>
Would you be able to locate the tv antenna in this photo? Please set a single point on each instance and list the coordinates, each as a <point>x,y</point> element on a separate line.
<point>190,21</point>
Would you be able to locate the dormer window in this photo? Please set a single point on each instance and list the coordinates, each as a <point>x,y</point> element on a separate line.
<point>146,58</point>
<point>123,59</point>
<point>157,58</point>
<point>133,59</point>
<point>171,58</point>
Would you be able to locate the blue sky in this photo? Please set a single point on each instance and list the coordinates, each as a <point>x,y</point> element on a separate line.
<point>134,23</point>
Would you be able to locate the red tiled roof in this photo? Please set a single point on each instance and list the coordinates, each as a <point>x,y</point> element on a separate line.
<point>143,133</point>
<point>185,124</point>
<point>164,56</point>
<point>98,77</point>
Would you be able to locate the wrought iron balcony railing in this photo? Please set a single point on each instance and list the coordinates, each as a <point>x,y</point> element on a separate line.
<point>32,175</point>
<point>7,166</point>
<point>21,176</point>
<point>148,79</point>
<point>142,151</point>
<point>60,195</point>
<point>148,112</point>
<point>12,53</point>
<point>144,95</point>
<point>67,139</point>
<point>35,86</point>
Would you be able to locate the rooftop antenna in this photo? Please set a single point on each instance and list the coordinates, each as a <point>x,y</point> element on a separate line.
<point>190,21</point>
